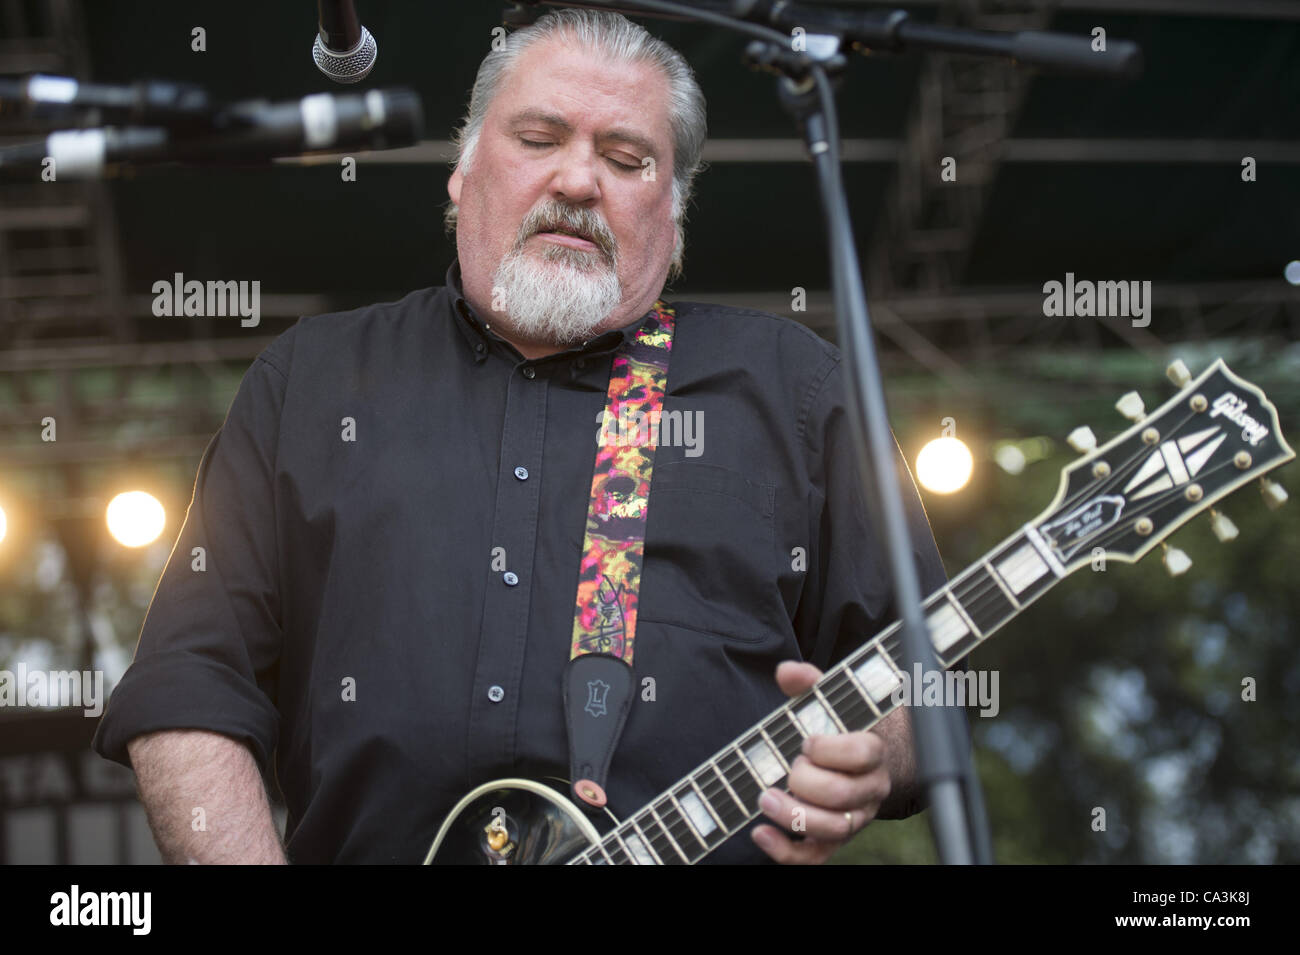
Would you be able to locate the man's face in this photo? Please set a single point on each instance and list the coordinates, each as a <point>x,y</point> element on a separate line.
<point>562,148</point>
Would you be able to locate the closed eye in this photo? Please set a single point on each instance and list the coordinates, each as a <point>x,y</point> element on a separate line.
<point>542,144</point>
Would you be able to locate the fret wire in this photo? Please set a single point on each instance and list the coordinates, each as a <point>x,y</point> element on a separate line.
<point>727,809</point>
<point>713,788</point>
<point>651,824</point>
<point>708,806</point>
<point>993,608</point>
<point>645,840</point>
<point>997,579</point>
<point>667,832</point>
<point>782,738</point>
<point>794,718</point>
<point>758,780</point>
<point>690,823</point>
<point>983,591</point>
<point>862,691</point>
<point>961,612</point>
<point>600,847</point>
<point>826,704</point>
<point>682,829</point>
<point>618,837</point>
<point>773,747</point>
<point>982,580</point>
<point>723,777</point>
<point>792,728</point>
<point>851,706</point>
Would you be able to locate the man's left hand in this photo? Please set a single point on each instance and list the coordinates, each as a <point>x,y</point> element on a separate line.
<point>836,786</point>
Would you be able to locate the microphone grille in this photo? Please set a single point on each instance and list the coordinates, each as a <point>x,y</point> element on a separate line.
<point>350,67</point>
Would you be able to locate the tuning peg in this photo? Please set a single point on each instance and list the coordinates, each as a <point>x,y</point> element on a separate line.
<point>1222,526</point>
<point>1178,373</point>
<point>1131,406</point>
<point>1082,440</point>
<point>1274,494</point>
<point>1176,562</point>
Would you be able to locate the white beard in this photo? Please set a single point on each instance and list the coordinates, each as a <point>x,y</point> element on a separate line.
<point>550,299</point>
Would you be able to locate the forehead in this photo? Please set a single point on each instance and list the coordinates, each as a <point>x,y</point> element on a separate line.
<point>591,93</point>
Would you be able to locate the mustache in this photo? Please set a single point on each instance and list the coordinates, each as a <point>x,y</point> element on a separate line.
<point>579,222</point>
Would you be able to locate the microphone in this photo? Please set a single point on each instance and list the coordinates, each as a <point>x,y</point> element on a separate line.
<point>245,132</point>
<point>147,101</point>
<point>344,50</point>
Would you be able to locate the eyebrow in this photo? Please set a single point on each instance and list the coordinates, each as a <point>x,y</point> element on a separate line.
<point>617,133</point>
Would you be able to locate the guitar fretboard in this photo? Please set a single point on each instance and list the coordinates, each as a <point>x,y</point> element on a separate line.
<point>719,798</point>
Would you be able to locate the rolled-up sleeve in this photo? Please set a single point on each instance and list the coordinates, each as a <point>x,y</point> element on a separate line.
<point>848,595</point>
<point>211,639</point>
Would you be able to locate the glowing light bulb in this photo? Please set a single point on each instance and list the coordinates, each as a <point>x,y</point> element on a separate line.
<point>944,465</point>
<point>135,518</point>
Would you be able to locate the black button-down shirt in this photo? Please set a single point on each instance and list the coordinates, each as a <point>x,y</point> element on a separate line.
<point>376,577</point>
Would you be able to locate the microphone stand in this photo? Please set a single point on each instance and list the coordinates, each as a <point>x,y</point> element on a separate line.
<point>806,91</point>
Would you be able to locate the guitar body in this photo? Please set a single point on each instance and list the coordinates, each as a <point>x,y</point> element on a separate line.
<point>513,822</point>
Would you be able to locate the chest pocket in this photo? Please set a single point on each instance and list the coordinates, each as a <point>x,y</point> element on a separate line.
<point>711,561</point>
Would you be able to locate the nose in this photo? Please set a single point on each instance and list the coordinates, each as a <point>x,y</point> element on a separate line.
<point>575,181</point>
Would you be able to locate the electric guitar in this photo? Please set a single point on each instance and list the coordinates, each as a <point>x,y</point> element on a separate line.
<point>1118,502</point>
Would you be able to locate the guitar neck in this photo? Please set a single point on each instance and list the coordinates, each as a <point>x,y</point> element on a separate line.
<point>720,797</point>
<point>1119,500</point>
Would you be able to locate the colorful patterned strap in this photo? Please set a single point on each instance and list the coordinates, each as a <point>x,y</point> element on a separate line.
<point>604,620</point>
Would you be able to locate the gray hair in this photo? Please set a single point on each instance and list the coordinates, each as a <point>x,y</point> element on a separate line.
<point>622,41</point>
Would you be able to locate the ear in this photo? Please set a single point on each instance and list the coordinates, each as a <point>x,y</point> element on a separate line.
<point>454,184</point>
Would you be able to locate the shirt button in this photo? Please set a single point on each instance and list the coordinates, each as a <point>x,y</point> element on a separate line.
<point>479,347</point>
<point>496,694</point>
<point>511,578</point>
<point>580,364</point>
<point>521,473</point>
<point>529,373</point>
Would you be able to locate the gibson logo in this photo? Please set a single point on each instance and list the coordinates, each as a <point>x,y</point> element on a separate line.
<point>1234,409</point>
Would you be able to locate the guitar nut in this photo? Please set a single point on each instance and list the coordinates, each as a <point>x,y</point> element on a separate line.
<point>1101,469</point>
<point>1144,526</point>
<point>1194,492</point>
<point>1150,436</point>
<point>1199,403</point>
<point>1242,460</point>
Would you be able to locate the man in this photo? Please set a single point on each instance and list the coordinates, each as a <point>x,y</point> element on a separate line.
<point>376,576</point>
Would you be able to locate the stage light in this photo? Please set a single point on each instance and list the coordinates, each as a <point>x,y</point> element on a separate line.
<point>1292,272</point>
<point>944,465</point>
<point>135,518</point>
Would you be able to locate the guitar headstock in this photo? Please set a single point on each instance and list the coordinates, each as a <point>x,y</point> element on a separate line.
<point>1125,497</point>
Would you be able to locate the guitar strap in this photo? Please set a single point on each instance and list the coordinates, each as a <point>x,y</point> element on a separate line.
<point>598,682</point>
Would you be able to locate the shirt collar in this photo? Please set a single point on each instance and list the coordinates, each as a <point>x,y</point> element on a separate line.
<point>480,337</point>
